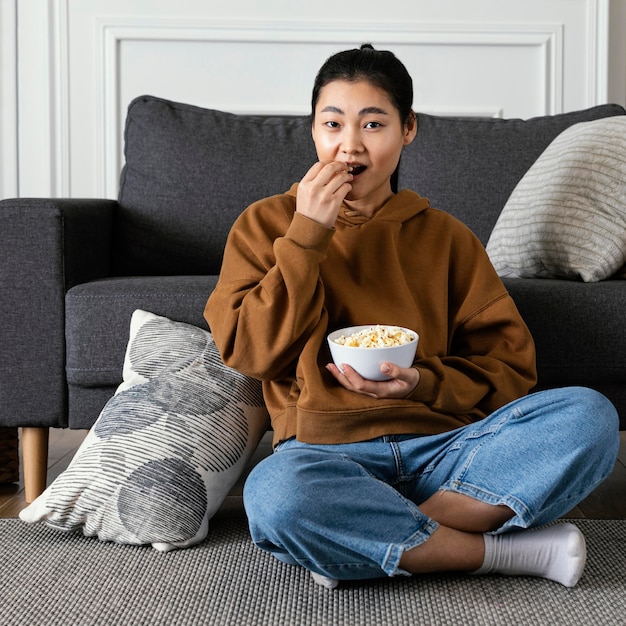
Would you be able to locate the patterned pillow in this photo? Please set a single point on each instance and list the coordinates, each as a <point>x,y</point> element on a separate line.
<point>567,216</point>
<point>166,449</point>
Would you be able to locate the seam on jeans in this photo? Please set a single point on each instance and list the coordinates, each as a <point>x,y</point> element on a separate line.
<point>490,430</point>
<point>397,455</point>
<point>478,438</point>
<point>391,562</point>
<point>521,510</point>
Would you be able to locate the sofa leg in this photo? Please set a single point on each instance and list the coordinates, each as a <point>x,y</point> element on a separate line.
<point>35,458</point>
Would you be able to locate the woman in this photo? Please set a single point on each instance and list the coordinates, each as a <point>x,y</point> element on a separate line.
<point>449,464</point>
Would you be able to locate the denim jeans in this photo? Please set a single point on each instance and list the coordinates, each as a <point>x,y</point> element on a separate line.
<point>349,511</point>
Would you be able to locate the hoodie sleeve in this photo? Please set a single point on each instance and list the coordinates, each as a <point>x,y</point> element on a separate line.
<point>492,363</point>
<point>269,298</point>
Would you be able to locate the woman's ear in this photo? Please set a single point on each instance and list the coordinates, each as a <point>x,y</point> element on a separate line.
<point>410,128</point>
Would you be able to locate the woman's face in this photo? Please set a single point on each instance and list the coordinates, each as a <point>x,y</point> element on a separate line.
<point>357,124</point>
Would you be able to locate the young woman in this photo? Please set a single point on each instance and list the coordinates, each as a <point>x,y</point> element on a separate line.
<point>449,465</point>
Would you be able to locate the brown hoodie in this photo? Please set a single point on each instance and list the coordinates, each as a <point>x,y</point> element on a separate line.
<point>287,281</point>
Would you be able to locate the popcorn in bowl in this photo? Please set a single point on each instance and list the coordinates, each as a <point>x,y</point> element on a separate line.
<point>377,337</point>
<point>366,348</point>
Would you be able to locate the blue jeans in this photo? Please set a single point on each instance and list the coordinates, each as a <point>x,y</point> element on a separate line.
<point>349,511</point>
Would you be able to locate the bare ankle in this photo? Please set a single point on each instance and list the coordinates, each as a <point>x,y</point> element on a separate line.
<point>461,512</point>
<point>446,550</point>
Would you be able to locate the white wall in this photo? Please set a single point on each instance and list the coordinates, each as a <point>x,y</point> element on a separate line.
<point>8,99</point>
<point>82,61</point>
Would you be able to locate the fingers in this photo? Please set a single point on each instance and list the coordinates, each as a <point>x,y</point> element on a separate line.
<point>351,380</point>
<point>322,190</point>
<point>328,178</point>
<point>402,381</point>
<point>325,171</point>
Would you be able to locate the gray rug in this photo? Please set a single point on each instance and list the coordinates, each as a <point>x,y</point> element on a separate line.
<point>51,578</point>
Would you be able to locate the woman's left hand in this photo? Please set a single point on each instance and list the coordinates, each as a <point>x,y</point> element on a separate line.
<point>402,381</point>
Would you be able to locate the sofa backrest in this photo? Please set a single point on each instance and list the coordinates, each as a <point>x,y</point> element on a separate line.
<point>190,171</point>
<point>469,166</point>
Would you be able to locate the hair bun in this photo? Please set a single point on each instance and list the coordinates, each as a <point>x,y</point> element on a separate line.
<point>367,46</point>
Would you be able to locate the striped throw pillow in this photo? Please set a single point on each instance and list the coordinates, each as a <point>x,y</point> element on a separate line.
<point>566,218</point>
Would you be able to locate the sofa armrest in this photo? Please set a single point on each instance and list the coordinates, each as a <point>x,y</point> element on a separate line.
<point>46,246</point>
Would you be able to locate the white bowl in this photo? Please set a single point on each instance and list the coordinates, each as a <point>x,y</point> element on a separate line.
<point>367,361</point>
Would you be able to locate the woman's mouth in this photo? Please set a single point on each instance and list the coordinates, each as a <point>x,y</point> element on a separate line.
<point>355,170</point>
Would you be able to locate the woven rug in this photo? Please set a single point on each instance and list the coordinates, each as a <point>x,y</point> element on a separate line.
<point>47,577</point>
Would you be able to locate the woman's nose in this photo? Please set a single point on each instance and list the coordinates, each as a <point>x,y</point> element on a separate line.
<point>351,142</point>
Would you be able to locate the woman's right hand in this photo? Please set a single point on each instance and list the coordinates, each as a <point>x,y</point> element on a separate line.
<point>322,190</point>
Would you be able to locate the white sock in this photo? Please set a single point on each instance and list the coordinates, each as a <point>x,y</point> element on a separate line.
<point>324,581</point>
<point>557,553</point>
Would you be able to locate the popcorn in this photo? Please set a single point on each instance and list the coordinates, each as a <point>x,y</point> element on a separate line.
<point>376,337</point>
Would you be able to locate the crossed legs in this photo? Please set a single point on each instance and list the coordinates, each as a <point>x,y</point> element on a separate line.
<point>459,502</point>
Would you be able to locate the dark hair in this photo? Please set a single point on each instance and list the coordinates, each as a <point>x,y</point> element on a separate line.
<point>379,67</point>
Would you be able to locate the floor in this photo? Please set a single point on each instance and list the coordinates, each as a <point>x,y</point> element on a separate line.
<point>608,501</point>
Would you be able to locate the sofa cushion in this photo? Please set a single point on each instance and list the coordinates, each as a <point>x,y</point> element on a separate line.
<point>166,449</point>
<point>577,329</point>
<point>190,172</point>
<point>567,216</point>
<point>469,167</point>
<point>97,315</point>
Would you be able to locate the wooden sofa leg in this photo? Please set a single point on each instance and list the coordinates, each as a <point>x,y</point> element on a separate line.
<point>35,458</point>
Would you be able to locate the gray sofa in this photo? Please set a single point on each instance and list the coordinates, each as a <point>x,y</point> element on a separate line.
<point>73,271</point>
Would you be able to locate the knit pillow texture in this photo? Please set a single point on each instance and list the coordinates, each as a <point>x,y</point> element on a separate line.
<point>566,218</point>
<point>167,447</point>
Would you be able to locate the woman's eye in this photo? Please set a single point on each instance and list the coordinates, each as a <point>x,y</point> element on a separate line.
<point>373,125</point>
<point>332,124</point>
